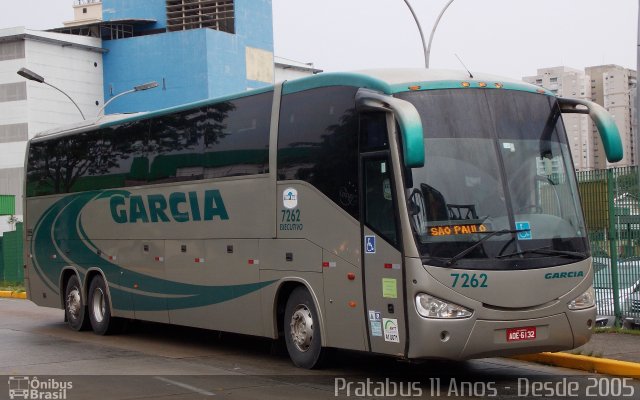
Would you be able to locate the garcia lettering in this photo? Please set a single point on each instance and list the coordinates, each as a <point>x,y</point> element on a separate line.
<point>178,207</point>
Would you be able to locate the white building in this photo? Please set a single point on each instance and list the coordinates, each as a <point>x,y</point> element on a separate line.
<point>575,84</point>
<point>71,63</point>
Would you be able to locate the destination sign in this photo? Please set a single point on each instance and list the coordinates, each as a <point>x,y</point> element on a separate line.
<point>457,229</point>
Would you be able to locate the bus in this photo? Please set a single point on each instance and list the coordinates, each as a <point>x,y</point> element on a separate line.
<point>411,213</point>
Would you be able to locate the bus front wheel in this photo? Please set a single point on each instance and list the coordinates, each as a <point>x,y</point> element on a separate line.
<point>302,330</point>
<point>102,322</point>
<point>74,308</point>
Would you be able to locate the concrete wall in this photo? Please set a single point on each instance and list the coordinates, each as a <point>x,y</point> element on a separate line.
<point>189,65</point>
<point>174,60</point>
<point>74,70</point>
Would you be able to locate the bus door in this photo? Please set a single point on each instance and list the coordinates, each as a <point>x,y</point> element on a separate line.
<point>382,258</point>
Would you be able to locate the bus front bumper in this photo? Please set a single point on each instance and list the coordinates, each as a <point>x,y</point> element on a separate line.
<point>478,338</point>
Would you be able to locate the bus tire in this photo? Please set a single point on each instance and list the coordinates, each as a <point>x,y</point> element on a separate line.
<point>302,330</point>
<point>75,310</point>
<point>102,322</point>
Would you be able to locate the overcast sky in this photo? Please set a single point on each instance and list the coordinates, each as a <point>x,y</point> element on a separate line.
<point>505,37</point>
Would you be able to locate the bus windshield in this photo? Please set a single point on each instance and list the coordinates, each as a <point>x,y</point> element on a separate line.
<point>497,190</point>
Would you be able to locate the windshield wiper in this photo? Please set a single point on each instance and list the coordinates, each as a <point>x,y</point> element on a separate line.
<point>490,234</point>
<point>546,251</point>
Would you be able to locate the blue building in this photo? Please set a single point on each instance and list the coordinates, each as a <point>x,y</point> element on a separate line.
<point>194,49</point>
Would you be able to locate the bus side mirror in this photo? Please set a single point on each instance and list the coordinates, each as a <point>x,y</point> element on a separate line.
<point>604,121</point>
<point>407,117</point>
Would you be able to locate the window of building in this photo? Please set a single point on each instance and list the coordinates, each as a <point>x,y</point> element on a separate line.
<point>194,14</point>
<point>14,133</point>
<point>11,50</point>
<point>553,80</point>
<point>13,91</point>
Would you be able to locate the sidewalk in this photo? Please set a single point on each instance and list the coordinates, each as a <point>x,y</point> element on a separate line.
<point>615,346</point>
<point>607,353</point>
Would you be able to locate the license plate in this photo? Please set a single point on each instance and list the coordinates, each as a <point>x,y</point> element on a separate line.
<point>518,334</point>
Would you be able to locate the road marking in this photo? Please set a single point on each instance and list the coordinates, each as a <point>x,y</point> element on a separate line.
<point>185,386</point>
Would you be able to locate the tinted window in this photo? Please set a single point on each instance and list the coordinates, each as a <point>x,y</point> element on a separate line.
<point>373,132</point>
<point>224,139</point>
<point>318,143</point>
<point>378,199</point>
<point>125,161</point>
<point>60,165</point>
<point>175,146</point>
<point>236,137</point>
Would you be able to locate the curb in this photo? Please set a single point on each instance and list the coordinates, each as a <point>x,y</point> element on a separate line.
<point>585,363</point>
<point>13,295</point>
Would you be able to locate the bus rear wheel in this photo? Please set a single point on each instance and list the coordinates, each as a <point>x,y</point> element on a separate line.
<point>75,311</point>
<point>302,330</point>
<point>102,322</point>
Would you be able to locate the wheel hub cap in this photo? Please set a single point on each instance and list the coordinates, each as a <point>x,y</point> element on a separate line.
<point>74,304</point>
<point>98,305</point>
<point>302,328</point>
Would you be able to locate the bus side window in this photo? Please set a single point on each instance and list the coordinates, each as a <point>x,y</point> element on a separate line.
<point>373,132</point>
<point>318,143</point>
<point>378,201</point>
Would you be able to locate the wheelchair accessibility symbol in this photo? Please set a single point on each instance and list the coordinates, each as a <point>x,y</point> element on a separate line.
<point>370,244</point>
<point>524,228</point>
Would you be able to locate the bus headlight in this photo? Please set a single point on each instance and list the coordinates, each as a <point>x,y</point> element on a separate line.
<point>585,300</point>
<point>433,307</point>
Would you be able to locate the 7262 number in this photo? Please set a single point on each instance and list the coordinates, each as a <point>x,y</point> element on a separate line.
<point>469,280</point>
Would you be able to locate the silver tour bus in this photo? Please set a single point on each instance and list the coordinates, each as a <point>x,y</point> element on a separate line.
<point>413,213</point>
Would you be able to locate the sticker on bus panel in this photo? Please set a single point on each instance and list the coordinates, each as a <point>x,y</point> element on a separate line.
<point>389,288</point>
<point>525,228</point>
<point>370,244</point>
<point>375,318</point>
<point>391,333</point>
<point>290,198</point>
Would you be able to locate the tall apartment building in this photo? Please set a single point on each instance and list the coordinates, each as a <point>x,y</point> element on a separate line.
<point>613,87</point>
<point>69,62</point>
<point>575,84</point>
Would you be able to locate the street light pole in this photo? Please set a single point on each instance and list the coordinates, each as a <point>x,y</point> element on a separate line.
<point>32,76</point>
<point>427,49</point>
<point>139,88</point>
<point>428,52</point>
<point>424,45</point>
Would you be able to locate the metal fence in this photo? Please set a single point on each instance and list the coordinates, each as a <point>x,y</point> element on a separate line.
<point>611,205</point>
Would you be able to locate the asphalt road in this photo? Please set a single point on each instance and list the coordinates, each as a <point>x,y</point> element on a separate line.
<point>155,361</point>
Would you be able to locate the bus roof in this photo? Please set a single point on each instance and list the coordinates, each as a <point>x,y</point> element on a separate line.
<point>392,81</point>
<point>388,81</point>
